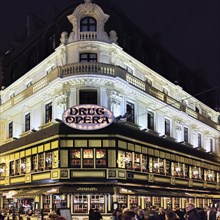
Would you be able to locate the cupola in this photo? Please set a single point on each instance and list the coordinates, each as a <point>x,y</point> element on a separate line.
<point>88,22</point>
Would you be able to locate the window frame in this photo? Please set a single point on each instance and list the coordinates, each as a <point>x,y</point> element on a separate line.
<point>130,109</point>
<point>90,96</point>
<point>27,122</point>
<point>88,57</point>
<point>167,127</point>
<point>88,24</point>
<point>150,120</point>
<point>48,112</point>
<point>10,129</point>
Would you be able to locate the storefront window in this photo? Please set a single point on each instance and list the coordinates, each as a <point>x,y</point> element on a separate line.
<point>88,159</point>
<point>147,201</point>
<point>100,158</point>
<point>59,201</point>
<point>12,168</point>
<point>210,175</point>
<point>48,160</point>
<point>23,165</point>
<point>128,160</point>
<point>158,165</point>
<point>98,201</point>
<point>167,168</point>
<point>157,201</point>
<point>17,167</point>
<point>137,164</point>
<point>186,171</point>
<point>46,203</point>
<point>75,156</point>
<point>176,202</point>
<point>177,169</point>
<point>144,163</point>
<point>2,169</point>
<point>34,163</point>
<point>41,161</point>
<point>80,204</point>
<point>195,173</point>
<point>133,201</point>
<point>122,201</point>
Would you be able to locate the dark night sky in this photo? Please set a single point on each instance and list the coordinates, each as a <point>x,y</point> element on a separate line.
<point>188,29</point>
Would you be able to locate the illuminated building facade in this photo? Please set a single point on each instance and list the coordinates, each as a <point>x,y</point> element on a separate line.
<point>162,148</point>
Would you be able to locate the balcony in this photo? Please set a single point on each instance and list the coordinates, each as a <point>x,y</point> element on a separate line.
<point>104,70</point>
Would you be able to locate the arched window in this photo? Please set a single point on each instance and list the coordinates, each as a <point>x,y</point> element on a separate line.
<point>88,24</point>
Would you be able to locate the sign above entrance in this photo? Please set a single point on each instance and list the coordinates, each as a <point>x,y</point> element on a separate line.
<point>88,117</point>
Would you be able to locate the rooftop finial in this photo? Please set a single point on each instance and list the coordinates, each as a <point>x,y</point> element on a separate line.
<point>88,1</point>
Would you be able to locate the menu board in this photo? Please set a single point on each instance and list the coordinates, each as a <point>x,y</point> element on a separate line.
<point>65,212</point>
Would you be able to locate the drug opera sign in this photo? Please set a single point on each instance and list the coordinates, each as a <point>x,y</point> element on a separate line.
<point>88,117</point>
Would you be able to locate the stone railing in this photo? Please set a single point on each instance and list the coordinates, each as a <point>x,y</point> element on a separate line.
<point>108,70</point>
<point>88,35</point>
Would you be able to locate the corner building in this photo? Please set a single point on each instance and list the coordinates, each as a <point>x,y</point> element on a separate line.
<point>162,148</point>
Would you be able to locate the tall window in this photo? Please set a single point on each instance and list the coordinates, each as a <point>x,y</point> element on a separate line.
<point>100,158</point>
<point>12,168</point>
<point>23,166</point>
<point>150,120</point>
<point>75,157</point>
<point>34,163</point>
<point>48,112</point>
<point>211,145</point>
<point>186,134</point>
<point>88,158</point>
<point>41,161</point>
<point>167,127</point>
<point>137,161</point>
<point>130,111</point>
<point>88,24</point>
<point>88,57</point>
<point>48,160</point>
<point>2,169</point>
<point>88,97</point>
<point>10,130</point>
<point>27,122</point>
<point>199,140</point>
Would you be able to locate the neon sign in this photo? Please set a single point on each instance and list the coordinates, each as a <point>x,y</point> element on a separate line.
<point>88,117</point>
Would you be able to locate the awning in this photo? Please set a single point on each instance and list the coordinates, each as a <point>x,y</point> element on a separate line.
<point>168,193</point>
<point>156,192</point>
<point>33,192</point>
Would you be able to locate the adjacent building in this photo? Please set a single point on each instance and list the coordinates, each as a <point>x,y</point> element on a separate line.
<point>61,146</point>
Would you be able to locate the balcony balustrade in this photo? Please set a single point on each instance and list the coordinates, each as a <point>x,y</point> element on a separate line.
<point>108,70</point>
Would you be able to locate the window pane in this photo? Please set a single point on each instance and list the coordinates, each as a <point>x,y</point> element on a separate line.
<point>48,112</point>
<point>75,157</point>
<point>100,158</point>
<point>88,97</point>
<point>130,111</point>
<point>88,158</point>
<point>88,24</point>
<point>27,122</point>
<point>150,120</point>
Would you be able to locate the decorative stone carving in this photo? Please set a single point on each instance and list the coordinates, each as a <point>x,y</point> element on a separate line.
<point>113,37</point>
<point>61,99</point>
<point>115,101</point>
<point>64,37</point>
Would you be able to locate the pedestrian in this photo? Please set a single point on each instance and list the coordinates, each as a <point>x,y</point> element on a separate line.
<point>117,215</point>
<point>91,212</point>
<point>170,215</point>
<point>128,215</point>
<point>191,212</point>
<point>97,215</point>
<point>161,213</point>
